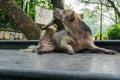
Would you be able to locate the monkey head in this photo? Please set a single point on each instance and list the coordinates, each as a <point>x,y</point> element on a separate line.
<point>66,15</point>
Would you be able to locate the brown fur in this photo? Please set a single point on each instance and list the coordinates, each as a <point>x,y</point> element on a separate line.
<point>45,42</point>
<point>75,36</point>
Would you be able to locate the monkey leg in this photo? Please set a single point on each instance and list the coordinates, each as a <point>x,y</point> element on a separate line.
<point>45,44</point>
<point>64,43</point>
<point>101,50</point>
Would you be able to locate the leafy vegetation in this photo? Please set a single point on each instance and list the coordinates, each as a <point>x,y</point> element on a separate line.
<point>30,5</point>
<point>7,23</point>
<point>114,32</point>
<point>104,36</point>
<point>107,6</point>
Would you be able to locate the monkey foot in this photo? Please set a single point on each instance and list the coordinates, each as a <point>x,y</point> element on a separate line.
<point>45,48</point>
<point>110,52</point>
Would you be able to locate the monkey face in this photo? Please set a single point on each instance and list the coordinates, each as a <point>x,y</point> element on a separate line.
<point>56,13</point>
<point>63,15</point>
<point>66,15</point>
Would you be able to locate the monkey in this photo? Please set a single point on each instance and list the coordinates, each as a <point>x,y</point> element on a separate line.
<point>72,35</point>
<point>76,34</point>
<point>78,31</point>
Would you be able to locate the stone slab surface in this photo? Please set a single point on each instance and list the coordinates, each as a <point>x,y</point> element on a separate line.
<point>80,62</point>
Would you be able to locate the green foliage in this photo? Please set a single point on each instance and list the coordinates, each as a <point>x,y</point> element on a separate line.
<point>114,32</point>
<point>104,36</point>
<point>44,3</point>
<point>7,24</point>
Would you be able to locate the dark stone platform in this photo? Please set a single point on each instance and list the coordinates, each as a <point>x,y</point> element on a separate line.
<point>21,44</point>
<point>59,66</point>
<point>16,65</point>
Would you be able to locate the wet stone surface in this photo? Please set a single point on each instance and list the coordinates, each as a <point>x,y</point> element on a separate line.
<point>82,62</point>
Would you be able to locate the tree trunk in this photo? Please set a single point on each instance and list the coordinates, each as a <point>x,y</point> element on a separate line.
<point>58,4</point>
<point>22,21</point>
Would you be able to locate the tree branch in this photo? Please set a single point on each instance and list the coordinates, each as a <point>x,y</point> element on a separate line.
<point>113,5</point>
<point>109,17</point>
<point>96,3</point>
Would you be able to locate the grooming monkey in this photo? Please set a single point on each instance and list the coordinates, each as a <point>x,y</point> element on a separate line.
<point>74,36</point>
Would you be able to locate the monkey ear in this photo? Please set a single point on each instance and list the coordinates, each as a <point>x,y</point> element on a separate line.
<point>81,16</point>
<point>72,16</point>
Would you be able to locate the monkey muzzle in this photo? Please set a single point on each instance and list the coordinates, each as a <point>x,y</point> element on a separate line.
<point>56,13</point>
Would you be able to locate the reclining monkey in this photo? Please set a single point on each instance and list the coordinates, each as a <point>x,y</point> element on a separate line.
<point>73,37</point>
